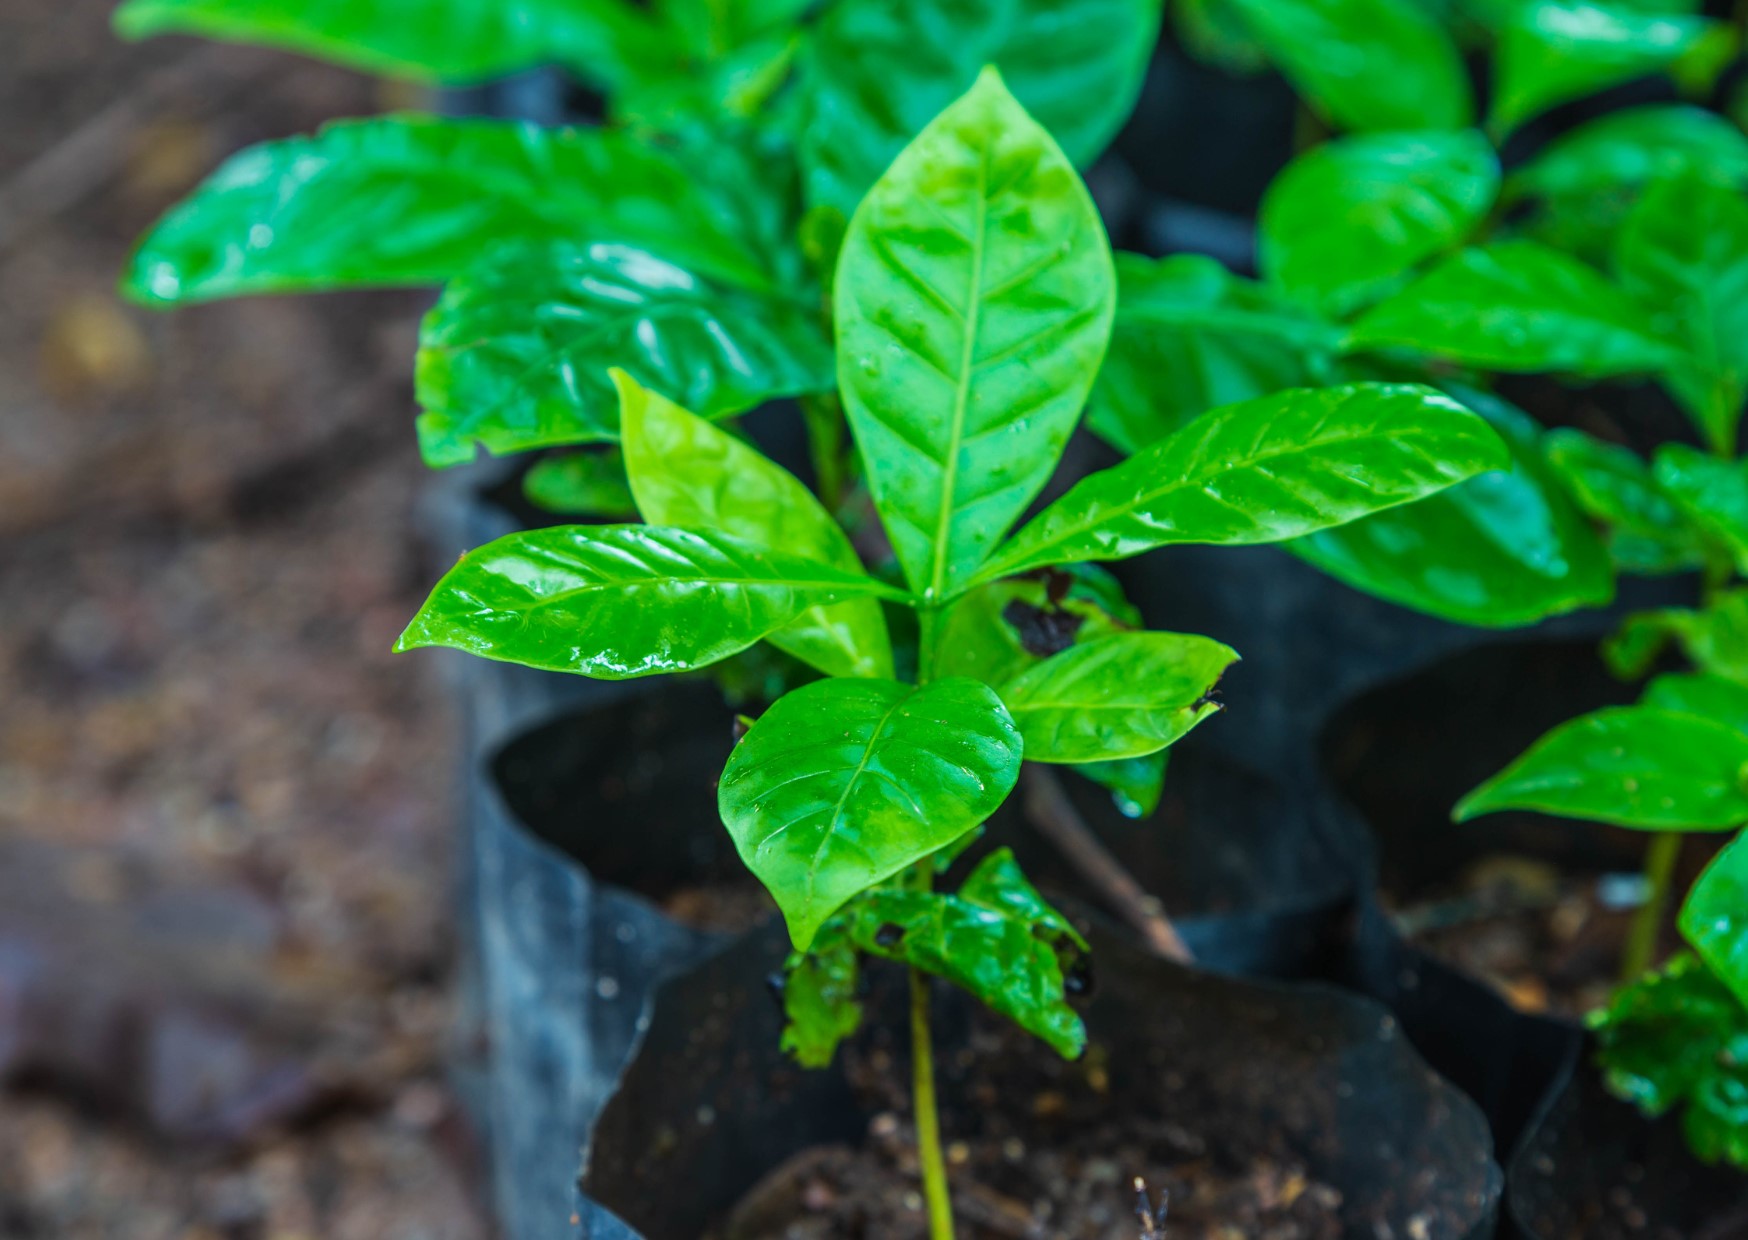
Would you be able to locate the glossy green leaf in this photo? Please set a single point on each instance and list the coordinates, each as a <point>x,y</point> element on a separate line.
<point>996,631</point>
<point>1715,918</point>
<point>1190,336</point>
<point>1557,50</point>
<point>1586,181</point>
<point>1684,253</point>
<point>1503,549</point>
<point>686,473</point>
<point>1713,494</point>
<point>583,484</point>
<point>843,783</point>
<point>1714,639</point>
<point>1647,533</point>
<point>1119,696</point>
<point>973,301</point>
<point>515,355</point>
<point>1366,64</point>
<point>1517,306</point>
<point>1264,471</point>
<point>417,200</point>
<point>426,40</point>
<point>1135,784</point>
<point>819,997</point>
<point>1630,766</point>
<point>876,72</point>
<point>1681,1037</point>
<point>1347,218</point>
<point>1713,697</point>
<point>617,601</point>
<point>997,938</point>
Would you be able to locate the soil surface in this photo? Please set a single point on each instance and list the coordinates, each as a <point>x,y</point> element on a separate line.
<point>1037,1149</point>
<point>224,806</point>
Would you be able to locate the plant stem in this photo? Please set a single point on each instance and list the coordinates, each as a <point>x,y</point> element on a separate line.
<point>825,444</point>
<point>1640,953</point>
<point>928,1120</point>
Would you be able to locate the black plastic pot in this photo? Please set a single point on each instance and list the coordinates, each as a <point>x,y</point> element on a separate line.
<point>710,1104</point>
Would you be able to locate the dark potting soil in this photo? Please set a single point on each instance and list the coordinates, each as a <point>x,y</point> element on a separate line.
<point>1037,1147</point>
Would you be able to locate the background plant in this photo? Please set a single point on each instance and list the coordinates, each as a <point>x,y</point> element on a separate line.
<point>973,300</point>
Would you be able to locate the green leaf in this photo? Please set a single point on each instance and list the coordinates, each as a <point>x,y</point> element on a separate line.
<point>1714,639</point>
<point>997,938</point>
<point>843,783</point>
<point>876,72</point>
<point>1347,218</point>
<point>1647,532</point>
<point>1712,697</point>
<point>1190,336</point>
<point>689,474</point>
<point>1715,919</point>
<point>819,997</point>
<point>617,601</point>
<point>515,355</point>
<point>973,300</point>
<point>1366,64</point>
<point>1684,252</point>
<point>1503,549</point>
<point>1680,1037</point>
<point>584,484</point>
<point>1135,784</point>
<point>1264,471</point>
<point>1629,766</point>
<point>1517,306</point>
<point>1557,50</point>
<point>415,200</point>
<point>1119,696</point>
<point>1713,494</point>
<point>996,631</point>
<point>425,40</point>
<point>1586,181</point>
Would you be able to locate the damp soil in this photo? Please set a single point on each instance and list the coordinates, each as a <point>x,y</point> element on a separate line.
<point>1036,1148</point>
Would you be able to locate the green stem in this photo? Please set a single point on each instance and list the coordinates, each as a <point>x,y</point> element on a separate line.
<point>928,1119</point>
<point>1640,953</point>
<point>825,444</point>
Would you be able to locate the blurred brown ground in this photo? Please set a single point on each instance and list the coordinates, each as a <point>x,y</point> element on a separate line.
<point>225,925</point>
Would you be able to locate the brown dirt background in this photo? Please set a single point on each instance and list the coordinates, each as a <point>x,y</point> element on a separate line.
<point>225,807</point>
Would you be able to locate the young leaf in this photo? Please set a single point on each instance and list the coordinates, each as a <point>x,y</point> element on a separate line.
<point>605,41</point>
<point>819,997</point>
<point>1119,696</point>
<point>415,200</point>
<point>1630,766</point>
<point>1677,1037</point>
<point>1712,697</point>
<point>1557,50</point>
<point>997,938</point>
<point>1714,639</point>
<point>998,630</point>
<point>875,72</point>
<point>1715,918</point>
<point>687,473</point>
<point>1366,64</point>
<point>515,354</point>
<point>1647,532</point>
<point>583,484</point>
<point>1684,251</point>
<point>843,783</point>
<point>1264,471</point>
<point>1190,336</point>
<point>1712,493</point>
<point>973,302</point>
<point>1517,306</point>
<point>1587,180</point>
<point>1135,784</point>
<point>1348,217</point>
<point>1502,549</point>
<point>617,601</point>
